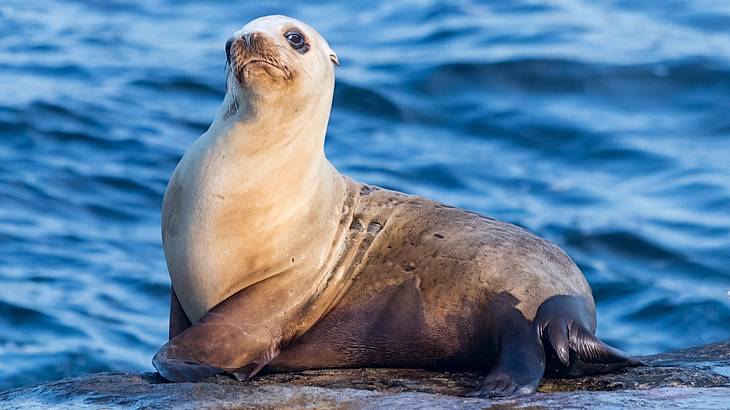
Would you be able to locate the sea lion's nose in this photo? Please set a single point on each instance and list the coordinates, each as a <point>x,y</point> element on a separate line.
<point>247,38</point>
<point>229,43</point>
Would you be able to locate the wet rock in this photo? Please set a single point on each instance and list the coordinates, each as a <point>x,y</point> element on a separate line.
<point>691,378</point>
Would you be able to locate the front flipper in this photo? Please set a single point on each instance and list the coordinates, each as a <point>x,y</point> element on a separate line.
<point>178,319</point>
<point>221,342</point>
<point>239,336</point>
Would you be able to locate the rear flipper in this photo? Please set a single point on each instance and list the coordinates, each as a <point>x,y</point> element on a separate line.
<point>566,328</point>
<point>558,343</point>
<point>519,359</point>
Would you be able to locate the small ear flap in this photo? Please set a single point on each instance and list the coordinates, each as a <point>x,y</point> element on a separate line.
<point>334,59</point>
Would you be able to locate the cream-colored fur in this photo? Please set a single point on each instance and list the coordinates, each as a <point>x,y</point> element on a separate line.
<point>254,196</point>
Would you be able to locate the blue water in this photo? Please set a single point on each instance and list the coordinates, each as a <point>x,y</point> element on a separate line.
<point>603,126</point>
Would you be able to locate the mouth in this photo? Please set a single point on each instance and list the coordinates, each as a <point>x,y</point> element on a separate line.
<point>258,62</point>
<point>274,69</point>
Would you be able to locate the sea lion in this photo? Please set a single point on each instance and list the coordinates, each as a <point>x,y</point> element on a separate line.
<point>278,260</point>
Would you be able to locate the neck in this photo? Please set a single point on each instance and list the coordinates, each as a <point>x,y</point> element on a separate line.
<point>276,173</point>
<point>288,128</point>
<point>253,198</point>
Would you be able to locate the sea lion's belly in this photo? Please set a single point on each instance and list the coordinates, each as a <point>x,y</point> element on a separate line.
<point>428,287</point>
<point>208,230</point>
<point>203,269</point>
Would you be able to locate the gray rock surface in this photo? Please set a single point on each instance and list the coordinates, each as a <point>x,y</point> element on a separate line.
<point>695,378</point>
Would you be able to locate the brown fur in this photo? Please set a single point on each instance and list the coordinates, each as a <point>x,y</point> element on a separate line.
<point>427,282</point>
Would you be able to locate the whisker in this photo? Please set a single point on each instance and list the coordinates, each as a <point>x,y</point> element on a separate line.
<point>287,53</point>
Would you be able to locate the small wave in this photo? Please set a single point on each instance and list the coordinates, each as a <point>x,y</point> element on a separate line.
<point>630,244</point>
<point>364,101</point>
<point>126,184</point>
<point>55,112</point>
<point>701,321</point>
<point>96,140</point>
<point>183,85</point>
<point>550,76</point>
<point>14,317</point>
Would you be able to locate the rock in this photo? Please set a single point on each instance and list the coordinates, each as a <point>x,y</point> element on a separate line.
<point>691,378</point>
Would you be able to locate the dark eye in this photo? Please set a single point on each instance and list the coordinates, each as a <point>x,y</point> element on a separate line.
<point>295,39</point>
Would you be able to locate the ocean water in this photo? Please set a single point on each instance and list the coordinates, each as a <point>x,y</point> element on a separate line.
<point>602,126</point>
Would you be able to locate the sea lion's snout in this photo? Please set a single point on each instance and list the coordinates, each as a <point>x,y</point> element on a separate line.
<point>229,43</point>
<point>252,54</point>
<point>247,40</point>
<point>248,45</point>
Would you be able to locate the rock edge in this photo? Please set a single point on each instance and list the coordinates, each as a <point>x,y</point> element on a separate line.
<point>697,377</point>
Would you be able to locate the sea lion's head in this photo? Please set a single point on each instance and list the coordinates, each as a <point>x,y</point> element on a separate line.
<point>279,57</point>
